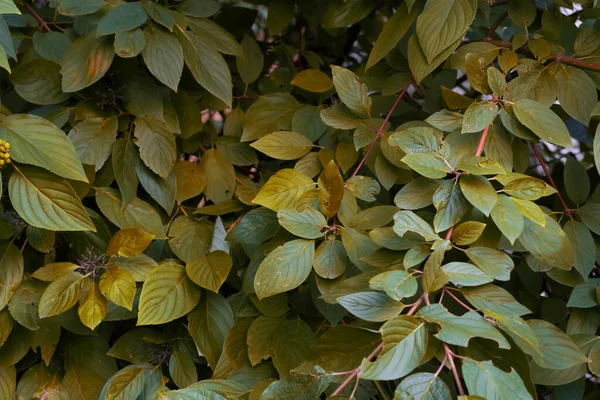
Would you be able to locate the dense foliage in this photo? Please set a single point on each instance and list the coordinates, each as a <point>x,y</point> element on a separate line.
<point>299,199</point>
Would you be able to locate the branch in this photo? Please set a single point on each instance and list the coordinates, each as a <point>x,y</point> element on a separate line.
<point>382,127</point>
<point>547,173</point>
<point>36,16</point>
<point>356,371</point>
<point>495,25</point>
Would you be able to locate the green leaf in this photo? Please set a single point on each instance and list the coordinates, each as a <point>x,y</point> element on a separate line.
<point>493,298</point>
<point>458,330</point>
<point>157,145</point>
<point>167,294</point>
<point>284,268</point>
<point>490,382</point>
<point>220,182</point>
<point>39,142</point>
<point>479,192</point>
<point>291,333</point>
<point>207,66</point>
<point>434,278</point>
<point>124,159</point>
<point>163,191</point>
<point>181,366</point>
<point>8,7</point>
<point>557,349</point>
<point>61,295</point>
<point>191,180</point>
<point>250,66</point>
<point>283,145</point>
<point>526,188</point>
<point>93,139</point>
<point>417,194</point>
<point>85,62</point>
<point>371,306</point>
<point>440,25</point>
<point>404,344</point>
<point>124,17</point>
<point>530,210</point>
<point>199,9</point>
<point>47,202</point>
<point>163,56</point>
<point>11,273</point>
<point>129,44</point>
<point>494,263</point>
<point>396,284</point>
<point>508,218</point>
<point>577,182</point>
<point>548,244</point>
<point>330,259</point>
<point>450,204</point>
<point>190,238</point>
<point>219,38</point>
<point>352,92</point>
<point>429,165</point>
<point>340,13</point>
<point>208,324</point>
<point>496,81</point>
<point>8,374</point>
<point>127,383</point>
<point>405,221</point>
<point>283,189</point>
<point>307,224</point>
<point>118,285</point>
<point>260,338</point>
<point>543,122</point>
<point>583,244</point>
<point>478,116</point>
<point>576,93</point>
<point>137,214</point>
<point>393,31</point>
<point>422,385</point>
<point>465,274</point>
<point>280,15</point>
<point>39,82</point>
<point>210,271</point>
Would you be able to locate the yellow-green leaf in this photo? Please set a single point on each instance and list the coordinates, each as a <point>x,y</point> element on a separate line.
<point>283,145</point>
<point>312,80</point>
<point>129,242</point>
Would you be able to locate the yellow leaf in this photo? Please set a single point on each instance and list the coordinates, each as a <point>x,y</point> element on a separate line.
<point>118,285</point>
<point>191,180</point>
<point>129,242</point>
<point>283,189</point>
<point>92,308</point>
<point>313,80</point>
<point>331,190</point>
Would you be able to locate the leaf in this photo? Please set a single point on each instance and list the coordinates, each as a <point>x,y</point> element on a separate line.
<point>163,191</point>
<point>11,273</point>
<point>47,202</point>
<point>181,367</point>
<point>127,383</point>
<point>440,25</point>
<point>191,180</point>
<point>283,189</point>
<point>583,244</point>
<point>358,245</point>
<point>93,139</point>
<point>124,159</point>
<point>124,17</point>
<point>163,56</point>
<point>417,194</point>
<point>530,210</point>
<point>525,188</point>
<point>312,80</point>
<point>450,204</point>
<point>465,274</point>
<point>548,244</point>
<point>490,382</point>
<point>340,13</point>
<point>295,335</point>
<point>39,82</point>
<point>393,31</point>
<point>330,259</point>
<point>217,37</point>
<point>331,190</point>
<point>405,221</point>
<point>92,307</point>
<point>467,232</point>
<point>85,62</point>
<point>61,295</point>
<point>207,66</point>
<point>404,344</point>
<point>493,298</point>
<point>307,223</point>
<point>280,16</point>
<point>543,122</point>
<point>157,145</point>
<point>210,271</point>
<point>478,116</point>
<point>117,284</point>
<point>422,385</point>
<point>8,7</point>
<point>250,66</point>
<point>129,44</point>
<point>577,182</point>
<point>557,350</point>
<point>496,81</point>
<point>352,92</point>
<point>39,142</point>
<point>199,9</point>
<point>576,93</point>
<point>371,306</point>
<point>137,214</point>
<point>167,294</point>
<point>209,323</point>
<point>220,182</point>
<point>508,218</point>
<point>494,263</point>
<point>8,374</point>
<point>479,192</point>
<point>434,278</point>
<point>459,330</point>
<point>283,145</point>
<point>284,268</point>
<point>396,284</point>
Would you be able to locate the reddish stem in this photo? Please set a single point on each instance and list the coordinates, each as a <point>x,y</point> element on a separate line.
<point>382,127</point>
<point>356,371</point>
<point>459,301</point>
<point>450,356</point>
<point>547,173</point>
<point>495,25</point>
<point>481,143</point>
<point>449,233</point>
<point>43,24</point>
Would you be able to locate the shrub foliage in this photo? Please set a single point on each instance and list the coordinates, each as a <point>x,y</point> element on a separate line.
<point>299,199</point>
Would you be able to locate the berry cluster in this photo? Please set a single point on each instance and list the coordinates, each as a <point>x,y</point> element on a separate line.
<point>4,153</point>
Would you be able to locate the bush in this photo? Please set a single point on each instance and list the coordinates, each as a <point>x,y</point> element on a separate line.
<point>304,199</point>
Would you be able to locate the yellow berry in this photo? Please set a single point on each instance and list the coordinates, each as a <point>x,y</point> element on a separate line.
<point>8,161</point>
<point>7,145</point>
<point>2,149</point>
<point>6,156</point>
<point>1,163</point>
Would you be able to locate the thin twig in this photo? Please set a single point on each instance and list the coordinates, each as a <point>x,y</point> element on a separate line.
<point>450,356</point>
<point>380,390</point>
<point>495,25</point>
<point>547,173</point>
<point>459,301</point>
<point>481,143</point>
<point>382,127</point>
<point>42,22</point>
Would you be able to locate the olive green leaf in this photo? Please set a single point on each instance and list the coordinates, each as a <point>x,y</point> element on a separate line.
<point>576,93</point>
<point>129,44</point>
<point>577,182</point>
<point>467,232</point>
<point>11,272</point>
<point>465,274</point>
<point>86,61</point>
<point>124,17</point>
<point>423,385</point>
<point>39,82</point>
<point>396,284</point>
<point>312,80</point>
<point>46,201</point>
<point>307,223</point>
<point>250,66</point>
<point>371,306</point>
<point>210,271</point>
<point>479,192</point>
<point>494,263</point>
<point>543,122</point>
<point>163,56</point>
<point>351,90</point>
<point>478,116</point>
<point>508,218</point>
<point>405,221</point>
<point>61,295</point>
<point>167,294</point>
<point>283,145</point>
<point>486,380</point>
<point>404,344</point>
<point>525,188</point>
<point>283,189</point>
<point>493,298</point>
<point>548,243</point>
<point>93,139</point>
<point>117,284</point>
<point>220,182</point>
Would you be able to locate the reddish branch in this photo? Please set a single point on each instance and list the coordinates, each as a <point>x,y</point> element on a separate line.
<point>495,25</point>
<point>382,127</point>
<point>36,16</point>
<point>353,375</point>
